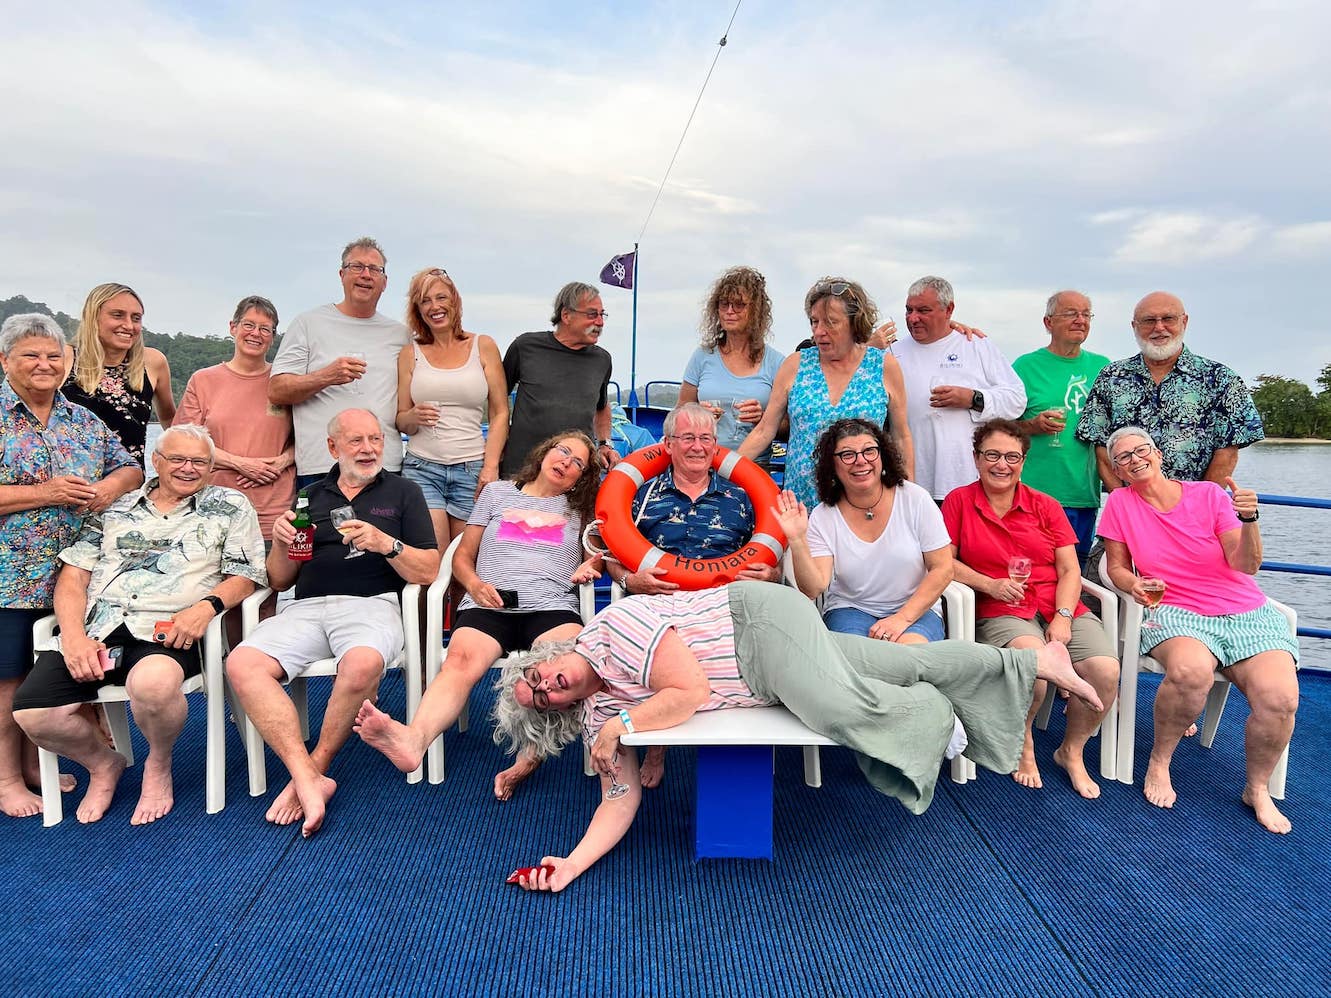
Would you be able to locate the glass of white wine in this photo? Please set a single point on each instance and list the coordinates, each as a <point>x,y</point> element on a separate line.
<point>1019,569</point>
<point>1061,414</point>
<point>355,385</point>
<point>340,517</point>
<point>1154,591</point>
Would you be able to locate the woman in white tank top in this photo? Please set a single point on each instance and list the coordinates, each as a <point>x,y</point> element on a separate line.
<point>449,381</point>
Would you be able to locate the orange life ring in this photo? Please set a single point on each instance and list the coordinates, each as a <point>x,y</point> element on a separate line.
<point>614,504</point>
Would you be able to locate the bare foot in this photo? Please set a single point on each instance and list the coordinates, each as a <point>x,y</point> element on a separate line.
<point>506,781</point>
<point>102,781</point>
<point>157,797</point>
<point>1027,772</point>
<point>17,801</point>
<point>392,738</point>
<point>1268,815</point>
<point>1191,732</point>
<point>285,808</point>
<point>34,781</point>
<point>1075,766</point>
<point>653,766</point>
<point>1157,786</point>
<point>314,797</point>
<point>1054,664</point>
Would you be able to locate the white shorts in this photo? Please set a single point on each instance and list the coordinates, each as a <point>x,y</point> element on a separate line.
<point>311,630</point>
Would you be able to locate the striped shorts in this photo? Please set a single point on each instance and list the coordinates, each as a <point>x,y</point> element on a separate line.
<point>1230,637</point>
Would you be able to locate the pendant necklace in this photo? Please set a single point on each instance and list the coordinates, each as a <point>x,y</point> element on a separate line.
<point>868,510</point>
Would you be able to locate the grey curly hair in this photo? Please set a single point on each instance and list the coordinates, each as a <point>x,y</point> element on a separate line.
<point>542,734</point>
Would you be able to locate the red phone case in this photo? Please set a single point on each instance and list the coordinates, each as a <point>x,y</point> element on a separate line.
<point>528,872</point>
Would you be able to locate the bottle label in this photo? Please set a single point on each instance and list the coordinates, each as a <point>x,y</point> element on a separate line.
<point>301,547</point>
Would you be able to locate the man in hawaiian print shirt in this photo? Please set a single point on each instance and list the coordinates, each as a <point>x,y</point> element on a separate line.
<point>136,593</point>
<point>1198,410</point>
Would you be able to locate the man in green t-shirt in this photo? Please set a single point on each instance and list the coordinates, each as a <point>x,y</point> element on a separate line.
<point>1057,379</point>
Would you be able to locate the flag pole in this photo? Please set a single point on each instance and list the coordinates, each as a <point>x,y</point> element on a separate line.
<point>633,355</point>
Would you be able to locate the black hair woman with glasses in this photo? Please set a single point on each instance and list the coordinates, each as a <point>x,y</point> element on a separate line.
<point>839,377</point>
<point>1015,548</point>
<point>519,560</point>
<point>875,549</point>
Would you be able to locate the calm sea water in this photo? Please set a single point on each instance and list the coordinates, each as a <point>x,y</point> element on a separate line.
<point>1289,534</point>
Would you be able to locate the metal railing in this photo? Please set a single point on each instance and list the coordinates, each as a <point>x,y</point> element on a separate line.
<point>1298,568</point>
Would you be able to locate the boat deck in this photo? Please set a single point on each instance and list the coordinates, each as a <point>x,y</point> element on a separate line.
<point>996,890</point>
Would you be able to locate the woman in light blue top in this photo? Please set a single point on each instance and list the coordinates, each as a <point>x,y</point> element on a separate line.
<point>732,372</point>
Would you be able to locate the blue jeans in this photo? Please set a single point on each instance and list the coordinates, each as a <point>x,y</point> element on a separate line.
<point>450,487</point>
<point>1082,520</point>
<point>850,620</point>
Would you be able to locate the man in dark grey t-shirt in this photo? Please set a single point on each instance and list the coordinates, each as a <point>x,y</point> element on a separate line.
<point>561,378</point>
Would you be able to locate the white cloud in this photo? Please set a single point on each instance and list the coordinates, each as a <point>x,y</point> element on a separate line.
<point>1304,239</point>
<point>1184,238</point>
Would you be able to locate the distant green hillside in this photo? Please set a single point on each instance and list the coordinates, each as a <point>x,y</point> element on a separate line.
<point>184,352</point>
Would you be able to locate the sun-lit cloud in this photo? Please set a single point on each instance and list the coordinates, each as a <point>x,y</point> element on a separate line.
<point>1186,237</point>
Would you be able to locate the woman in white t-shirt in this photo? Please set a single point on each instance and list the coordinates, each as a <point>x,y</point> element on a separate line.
<point>449,382</point>
<point>875,548</point>
<point>732,372</point>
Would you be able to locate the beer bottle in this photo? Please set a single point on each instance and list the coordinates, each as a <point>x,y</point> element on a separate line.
<point>301,547</point>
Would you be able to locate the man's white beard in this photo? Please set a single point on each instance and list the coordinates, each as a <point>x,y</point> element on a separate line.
<point>1163,351</point>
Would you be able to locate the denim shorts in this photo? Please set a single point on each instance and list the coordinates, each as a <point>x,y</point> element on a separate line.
<point>851,620</point>
<point>450,487</point>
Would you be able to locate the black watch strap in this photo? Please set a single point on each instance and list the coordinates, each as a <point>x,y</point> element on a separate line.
<point>977,400</point>
<point>1256,515</point>
<point>216,603</point>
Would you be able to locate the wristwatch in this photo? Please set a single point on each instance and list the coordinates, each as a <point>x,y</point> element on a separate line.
<point>216,603</point>
<point>603,443</point>
<point>396,549</point>
<point>977,400</point>
<point>1256,515</point>
<point>1065,612</point>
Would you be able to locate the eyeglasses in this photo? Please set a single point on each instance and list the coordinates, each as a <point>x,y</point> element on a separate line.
<point>356,267</point>
<point>1126,457</point>
<point>590,313</point>
<point>1073,313</point>
<point>870,454</point>
<point>994,456</point>
<point>577,462</point>
<point>733,305</point>
<point>837,288</point>
<point>439,272</point>
<point>250,327</point>
<point>689,439</point>
<point>179,461</point>
<point>1149,321</point>
<point>540,699</point>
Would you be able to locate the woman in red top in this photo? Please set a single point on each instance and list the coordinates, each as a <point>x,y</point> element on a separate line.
<point>996,520</point>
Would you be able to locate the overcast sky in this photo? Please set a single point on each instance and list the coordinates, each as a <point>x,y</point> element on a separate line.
<point>1116,147</point>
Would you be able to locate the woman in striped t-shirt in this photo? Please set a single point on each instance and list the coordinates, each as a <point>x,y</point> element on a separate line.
<point>650,662</point>
<point>520,560</point>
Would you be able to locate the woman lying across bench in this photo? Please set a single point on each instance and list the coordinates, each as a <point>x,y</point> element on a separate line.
<point>649,662</point>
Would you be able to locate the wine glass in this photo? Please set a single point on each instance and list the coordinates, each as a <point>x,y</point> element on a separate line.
<point>1019,570</point>
<point>937,381</point>
<point>340,516</point>
<point>616,789</point>
<point>1056,440</point>
<point>1154,591</point>
<point>355,385</point>
<point>435,429</point>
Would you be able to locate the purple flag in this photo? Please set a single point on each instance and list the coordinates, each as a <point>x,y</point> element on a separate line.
<point>619,271</point>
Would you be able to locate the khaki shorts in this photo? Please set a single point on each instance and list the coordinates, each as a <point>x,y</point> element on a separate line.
<point>1088,634</point>
<point>320,627</point>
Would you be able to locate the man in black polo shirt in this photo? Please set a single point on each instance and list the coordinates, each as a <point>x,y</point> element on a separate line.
<point>346,607</point>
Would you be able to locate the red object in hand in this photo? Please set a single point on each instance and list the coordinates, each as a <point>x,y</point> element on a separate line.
<point>529,872</point>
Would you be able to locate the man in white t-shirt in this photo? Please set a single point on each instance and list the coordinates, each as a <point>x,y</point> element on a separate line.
<point>341,356</point>
<point>952,384</point>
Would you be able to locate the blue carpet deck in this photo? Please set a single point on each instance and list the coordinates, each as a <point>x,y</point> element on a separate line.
<point>996,890</point>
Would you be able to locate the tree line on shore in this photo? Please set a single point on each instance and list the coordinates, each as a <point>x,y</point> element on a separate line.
<point>1289,408</point>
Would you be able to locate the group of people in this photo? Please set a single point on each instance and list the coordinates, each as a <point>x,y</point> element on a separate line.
<point>904,472</point>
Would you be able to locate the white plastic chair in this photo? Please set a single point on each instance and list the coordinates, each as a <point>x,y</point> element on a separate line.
<point>435,652</point>
<point>114,698</point>
<point>1134,662</point>
<point>409,662</point>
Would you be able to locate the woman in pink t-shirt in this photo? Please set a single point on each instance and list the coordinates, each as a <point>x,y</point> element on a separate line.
<point>1206,546</point>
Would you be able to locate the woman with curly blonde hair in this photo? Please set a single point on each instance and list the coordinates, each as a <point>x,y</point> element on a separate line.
<point>732,372</point>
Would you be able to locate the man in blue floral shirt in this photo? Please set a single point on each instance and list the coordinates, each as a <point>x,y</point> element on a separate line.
<point>1199,410</point>
<point>688,510</point>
